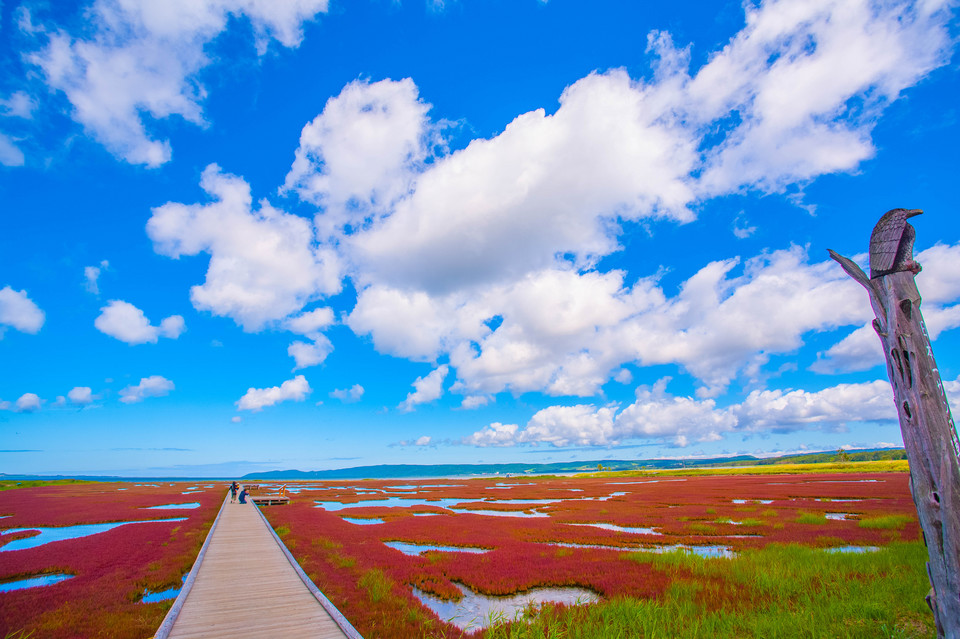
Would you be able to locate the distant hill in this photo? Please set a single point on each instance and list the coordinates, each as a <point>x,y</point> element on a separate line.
<point>877,454</point>
<point>410,471</point>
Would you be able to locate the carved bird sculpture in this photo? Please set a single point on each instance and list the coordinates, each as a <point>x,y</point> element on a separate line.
<point>891,244</point>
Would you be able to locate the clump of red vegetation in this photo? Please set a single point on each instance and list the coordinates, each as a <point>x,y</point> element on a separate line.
<point>112,569</point>
<point>341,557</point>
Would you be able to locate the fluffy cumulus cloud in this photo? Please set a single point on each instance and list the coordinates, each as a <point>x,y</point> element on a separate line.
<point>505,284</point>
<point>141,61</point>
<point>19,311</point>
<point>264,263</point>
<point>127,323</point>
<point>81,395</point>
<point>28,403</point>
<point>805,79</point>
<point>310,324</point>
<point>656,414</point>
<point>939,284</point>
<point>548,185</point>
<point>153,386</point>
<point>360,155</point>
<point>256,399</point>
<point>426,389</point>
<point>566,333</point>
<point>348,395</point>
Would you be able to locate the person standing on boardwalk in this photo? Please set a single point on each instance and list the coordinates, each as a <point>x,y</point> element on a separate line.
<point>233,493</point>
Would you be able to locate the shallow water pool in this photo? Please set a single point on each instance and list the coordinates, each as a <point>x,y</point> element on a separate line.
<point>60,533</point>
<point>476,611</point>
<point>33,582</point>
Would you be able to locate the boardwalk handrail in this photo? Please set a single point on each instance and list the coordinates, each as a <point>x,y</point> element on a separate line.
<point>335,614</point>
<point>164,630</point>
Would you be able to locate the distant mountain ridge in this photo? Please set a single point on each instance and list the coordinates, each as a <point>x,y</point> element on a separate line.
<point>411,471</point>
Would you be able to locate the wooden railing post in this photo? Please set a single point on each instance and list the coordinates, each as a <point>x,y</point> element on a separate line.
<point>929,434</point>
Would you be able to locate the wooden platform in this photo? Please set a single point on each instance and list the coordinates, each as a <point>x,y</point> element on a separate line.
<point>245,584</point>
<point>269,500</point>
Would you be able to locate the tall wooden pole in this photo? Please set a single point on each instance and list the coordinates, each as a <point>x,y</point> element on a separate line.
<point>929,434</point>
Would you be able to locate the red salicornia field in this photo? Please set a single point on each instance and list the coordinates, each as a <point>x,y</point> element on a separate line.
<point>601,534</point>
<point>110,571</point>
<point>821,555</point>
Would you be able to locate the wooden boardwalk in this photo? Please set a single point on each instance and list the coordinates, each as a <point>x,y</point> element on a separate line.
<point>245,584</point>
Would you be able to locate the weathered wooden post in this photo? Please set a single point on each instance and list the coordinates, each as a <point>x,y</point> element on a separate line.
<point>929,434</point>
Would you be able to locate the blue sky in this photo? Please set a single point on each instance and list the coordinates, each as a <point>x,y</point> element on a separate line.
<point>243,236</point>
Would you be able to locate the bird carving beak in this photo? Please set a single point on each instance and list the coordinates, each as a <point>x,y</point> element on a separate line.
<point>913,212</point>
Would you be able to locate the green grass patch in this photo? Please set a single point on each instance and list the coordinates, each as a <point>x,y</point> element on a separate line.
<point>778,591</point>
<point>811,518</point>
<point>885,522</point>
<point>10,484</point>
<point>880,466</point>
<point>376,583</point>
<point>282,531</point>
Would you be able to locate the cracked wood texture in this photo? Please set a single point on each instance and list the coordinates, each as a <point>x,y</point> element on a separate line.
<point>929,434</point>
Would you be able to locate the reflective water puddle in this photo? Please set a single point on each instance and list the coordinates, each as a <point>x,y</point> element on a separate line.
<point>855,549</point>
<point>361,521</point>
<point>390,502</point>
<point>626,529</point>
<point>476,611</point>
<point>60,533</point>
<point>33,582</point>
<point>839,516</point>
<point>154,597</point>
<point>752,501</point>
<point>418,549</point>
<point>701,551</point>
<point>193,504</point>
<point>501,513</point>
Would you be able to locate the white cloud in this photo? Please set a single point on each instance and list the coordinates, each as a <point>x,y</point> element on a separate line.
<point>142,60</point>
<point>256,399</point>
<point>683,420</point>
<point>422,441</point>
<point>548,185</point>
<point>10,153</point>
<point>311,322</point>
<point>471,402</point>
<point>127,323</point>
<point>939,286</point>
<point>307,354</point>
<point>426,388</point>
<point>264,264</point>
<point>794,76</point>
<point>28,403</point>
<point>566,333</point>
<point>18,105</point>
<point>352,394</point>
<point>153,386</point>
<point>19,311</point>
<point>793,96</point>
<point>91,276</point>
<point>80,395</point>
<point>359,156</point>
<point>496,434</point>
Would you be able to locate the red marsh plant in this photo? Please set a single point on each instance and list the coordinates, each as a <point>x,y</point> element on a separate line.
<point>111,570</point>
<point>371,582</point>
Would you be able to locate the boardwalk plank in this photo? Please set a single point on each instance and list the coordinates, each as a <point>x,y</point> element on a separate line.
<point>245,587</point>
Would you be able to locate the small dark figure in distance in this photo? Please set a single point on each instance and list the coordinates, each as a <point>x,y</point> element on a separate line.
<point>243,496</point>
<point>233,492</point>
